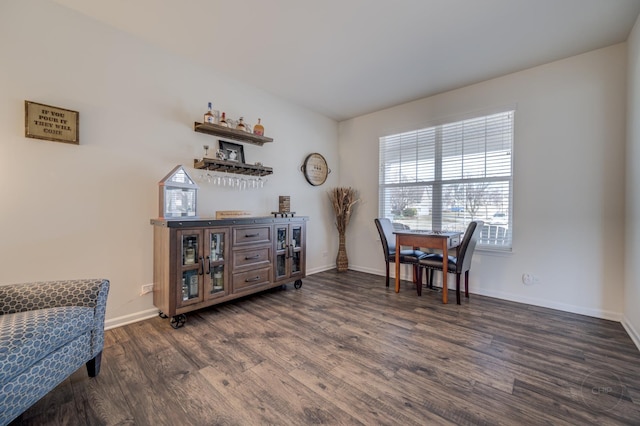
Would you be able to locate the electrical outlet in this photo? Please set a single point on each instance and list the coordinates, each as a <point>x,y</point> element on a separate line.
<point>147,288</point>
<point>530,279</point>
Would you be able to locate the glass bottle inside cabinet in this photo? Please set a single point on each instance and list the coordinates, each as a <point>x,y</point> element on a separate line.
<point>190,287</point>
<point>281,240</point>
<point>217,279</point>
<point>189,249</point>
<point>296,237</point>
<point>217,247</point>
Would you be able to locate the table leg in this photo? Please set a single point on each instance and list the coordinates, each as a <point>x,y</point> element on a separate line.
<point>397,263</point>
<point>445,271</point>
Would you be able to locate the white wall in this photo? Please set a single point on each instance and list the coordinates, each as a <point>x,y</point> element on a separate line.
<point>73,211</point>
<point>631,319</point>
<point>568,180</point>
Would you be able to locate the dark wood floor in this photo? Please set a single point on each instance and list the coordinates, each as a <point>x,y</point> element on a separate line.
<point>344,349</point>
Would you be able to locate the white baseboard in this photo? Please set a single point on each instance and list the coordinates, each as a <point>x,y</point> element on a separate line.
<point>129,319</point>
<point>406,272</point>
<point>632,332</point>
<point>320,269</point>
<point>596,313</point>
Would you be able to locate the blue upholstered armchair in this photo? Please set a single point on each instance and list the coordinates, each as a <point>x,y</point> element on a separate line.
<point>47,331</point>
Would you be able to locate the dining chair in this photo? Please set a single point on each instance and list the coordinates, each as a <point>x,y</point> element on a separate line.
<point>457,264</point>
<point>409,256</point>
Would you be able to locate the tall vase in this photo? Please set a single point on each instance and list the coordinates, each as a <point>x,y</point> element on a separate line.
<point>342,261</point>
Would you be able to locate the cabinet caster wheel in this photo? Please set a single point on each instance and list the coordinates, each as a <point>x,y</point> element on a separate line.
<point>178,321</point>
<point>162,315</point>
<point>298,284</point>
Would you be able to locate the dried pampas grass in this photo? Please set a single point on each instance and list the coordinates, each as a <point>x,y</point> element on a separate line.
<point>343,200</point>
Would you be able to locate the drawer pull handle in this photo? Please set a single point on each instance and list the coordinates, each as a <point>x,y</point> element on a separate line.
<point>257,256</point>
<point>250,280</point>
<point>251,235</point>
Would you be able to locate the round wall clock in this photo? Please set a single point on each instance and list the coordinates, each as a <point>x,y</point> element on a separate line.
<point>315,169</point>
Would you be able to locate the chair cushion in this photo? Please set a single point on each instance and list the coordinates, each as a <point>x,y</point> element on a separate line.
<point>27,337</point>
<point>408,256</point>
<point>434,261</point>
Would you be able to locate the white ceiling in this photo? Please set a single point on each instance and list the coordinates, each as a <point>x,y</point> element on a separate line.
<point>345,58</point>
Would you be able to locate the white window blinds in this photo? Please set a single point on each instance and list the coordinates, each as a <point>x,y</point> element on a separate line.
<point>445,176</point>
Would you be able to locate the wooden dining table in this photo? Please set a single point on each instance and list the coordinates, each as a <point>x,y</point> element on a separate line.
<point>443,241</point>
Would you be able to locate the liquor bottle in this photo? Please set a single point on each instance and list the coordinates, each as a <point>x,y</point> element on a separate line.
<point>240,125</point>
<point>185,289</point>
<point>190,254</point>
<point>223,120</point>
<point>193,286</point>
<point>209,117</point>
<point>258,129</point>
<point>217,280</point>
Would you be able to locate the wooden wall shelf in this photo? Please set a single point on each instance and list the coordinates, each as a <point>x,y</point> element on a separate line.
<point>231,167</point>
<point>233,134</point>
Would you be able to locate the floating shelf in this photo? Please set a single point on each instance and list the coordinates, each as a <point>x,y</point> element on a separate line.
<point>233,134</point>
<point>231,167</point>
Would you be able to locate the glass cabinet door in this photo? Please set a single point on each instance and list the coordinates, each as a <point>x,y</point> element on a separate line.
<point>190,271</point>
<point>296,252</point>
<point>289,251</point>
<point>215,276</point>
<point>282,251</point>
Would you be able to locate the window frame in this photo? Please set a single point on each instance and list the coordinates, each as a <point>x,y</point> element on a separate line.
<point>496,236</point>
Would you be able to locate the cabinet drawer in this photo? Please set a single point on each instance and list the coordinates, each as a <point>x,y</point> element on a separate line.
<point>250,279</point>
<point>253,258</point>
<point>253,235</point>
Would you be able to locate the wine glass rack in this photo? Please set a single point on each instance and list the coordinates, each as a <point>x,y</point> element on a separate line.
<point>231,167</point>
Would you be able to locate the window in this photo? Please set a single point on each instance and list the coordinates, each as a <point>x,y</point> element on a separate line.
<point>445,176</point>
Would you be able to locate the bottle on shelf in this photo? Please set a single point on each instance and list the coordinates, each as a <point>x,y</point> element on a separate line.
<point>258,129</point>
<point>209,117</point>
<point>217,280</point>
<point>193,286</point>
<point>185,289</point>
<point>240,125</point>
<point>223,120</point>
<point>190,254</point>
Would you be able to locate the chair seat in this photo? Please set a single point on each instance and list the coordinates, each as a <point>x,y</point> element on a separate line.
<point>434,261</point>
<point>408,256</point>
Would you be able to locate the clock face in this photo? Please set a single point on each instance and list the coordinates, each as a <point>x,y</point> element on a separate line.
<point>315,169</point>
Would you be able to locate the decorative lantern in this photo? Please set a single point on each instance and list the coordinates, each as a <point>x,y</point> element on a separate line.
<point>178,195</point>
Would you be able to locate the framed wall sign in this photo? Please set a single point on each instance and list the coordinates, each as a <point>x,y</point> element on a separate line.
<point>315,169</point>
<point>51,123</point>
